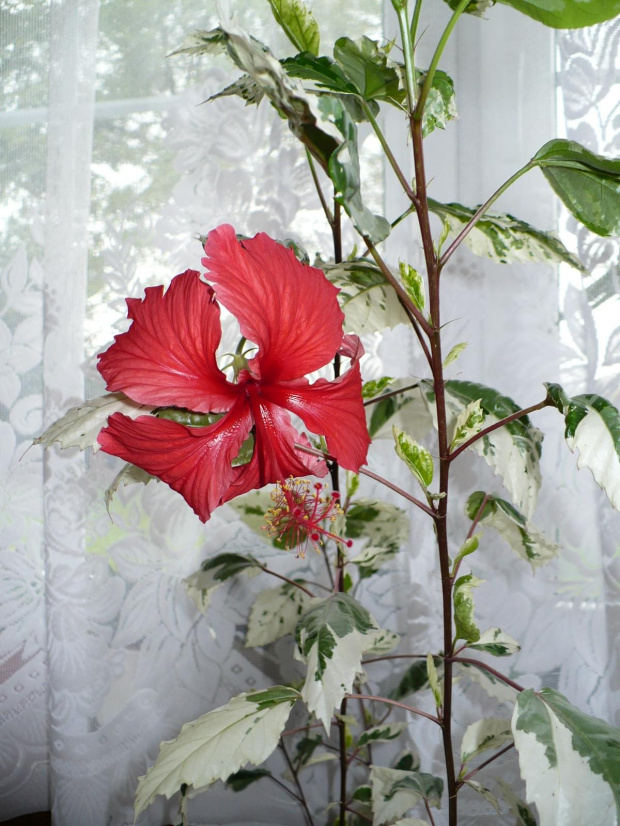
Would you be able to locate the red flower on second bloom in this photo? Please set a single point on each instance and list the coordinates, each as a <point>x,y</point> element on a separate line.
<point>168,358</point>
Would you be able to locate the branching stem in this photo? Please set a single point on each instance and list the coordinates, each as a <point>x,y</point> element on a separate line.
<point>286,579</point>
<point>394,703</point>
<point>486,763</point>
<point>295,774</point>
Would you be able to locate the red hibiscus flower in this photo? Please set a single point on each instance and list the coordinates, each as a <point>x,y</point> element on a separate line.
<point>168,358</point>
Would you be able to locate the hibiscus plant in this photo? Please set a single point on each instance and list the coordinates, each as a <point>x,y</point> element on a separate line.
<point>219,429</point>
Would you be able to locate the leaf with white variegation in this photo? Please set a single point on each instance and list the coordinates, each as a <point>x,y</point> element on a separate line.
<point>394,792</point>
<point>466,628</point>
<point>494,686</point>
<point>411,821</point>
<point>81,425</point>
<point>384,524</point>
<point>433,679</point>
<point>415,456</point>
<point>128,475</point>
<point>490,733</point>
<point>214,572</point>
<point>218,744</point>
<point>512,451</point>
<point>413,284</point>
<point>518,807</point>
<point>244,87</point>
<point>382,641</point>
<point>524,539</point>
<point>331,638</point>
<point>275,613</point>
<point>252,508</point>
<point>468,423</point>
<point>486,793</point>
<point>497,642</point>
<point>592,428</point>
<point>381,734</point>
<point>454,353</point>
<point>570,762</point>
<point>504,238</point>
<point>372,559</point>
<point>368,302</point>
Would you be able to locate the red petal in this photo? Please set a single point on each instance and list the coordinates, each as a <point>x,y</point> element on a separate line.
<point>333,409</point>
<point>167,357</point>
<point>289,309</point>
<point>195,461</point>
<point>275,455</point>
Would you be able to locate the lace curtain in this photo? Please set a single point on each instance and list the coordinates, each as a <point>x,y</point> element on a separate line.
<point>111,167</point>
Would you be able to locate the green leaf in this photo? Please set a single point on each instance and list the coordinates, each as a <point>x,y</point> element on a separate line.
<point>218,744</point>
<point>433,679</point>
<point>587,184</point>
<point>593,428</point>
<point>414,285</point>
<point>504,238</point>
<point>476,7</point>
<point>365,64</point>
<point>322,71</point>
<point>454,353</point>
<point>385,525</point>
<point>414,679</point>
<point>416,457</point>
<point>372,559</point>
<point>440,107</point>
<point>513,451</point>
<point>486,793</point>
<point>244,87</point>
<point>570,761</point>
<point>466,629</point>
<point>363,794</point>
<point>240,780</point>
<point>567,14</point>
<point>408,761</point>
<point>394,792</point>
<point>376,387</point>
<point>214,572</point>
<point>344,170</point>
<point>468,547</point>
<point>305,749</point>
<point>407,409</point>
<point>381,734</point>
<point>331,638</point>
<point>368,302</point>
<point>275,613</point>
<point>81,425</point>
<point>298,23</point>
<point>128,475</point>
<point>469,422</point>
<point>490,733</point>
<point>524,539</point>
<point>496,642</point>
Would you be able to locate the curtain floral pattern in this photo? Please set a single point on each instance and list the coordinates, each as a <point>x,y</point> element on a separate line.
<point>113,167</point>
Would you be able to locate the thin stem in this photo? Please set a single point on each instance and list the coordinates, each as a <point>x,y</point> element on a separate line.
<point>285,787</point>
<point>428,812</point>
<point>358,814</point>
<point>518,415</point>
<point>489,668</point>
<point>292,731</point>
<point>319,190</point>
<point>428,81</point>
<point>344,763</point>
<point>400,290</point>
<point>388,152</point>
<point>392,393</point>
<point>394,703</point>
<point>293,770</point>
<point>486,762</point>
<point>413,28</point>
<point>407,44</point>
<point>286,579</point>
<point>394,657</point>
<point>480,212</point>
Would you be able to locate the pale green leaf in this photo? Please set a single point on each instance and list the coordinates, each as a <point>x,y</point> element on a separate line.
<point>497,642</point>
<point>381,734</point>
<point>593,428</point>
<point>382,642</point>
<point>252,508</point>
<point>416,457</point>
<point>486,793</point>
<point>384,524</point>
<point>368,302</point>
<point>466,628</point>
<point>203,42</point>
<point>494,687</point>
<point>81,425</point>
<point>433,679</point>
<point>128,475</point>
<point>298,23</point>
<point>406,410</point>
<point>468,547</point>
<point>490,733</point>
<point>324,757</point>
<point>376,387</point>
<point>518,807</point>
<point>275,612</point>
<point>440,106</point>
<point>454,353</point>
<point>469,422</point>
<point>414,284</point>
<point>218,744</point>
<point>513,451</point>
<point>411,821</point>
<point>524,539</point>
<point>214,572</point>
<point>568,14</point>
<point>570,762</point>
<point>394,792</point>
<point>372,559</point>
<point>504,238</point>
<point>477,8</point>
<point>331,638</point>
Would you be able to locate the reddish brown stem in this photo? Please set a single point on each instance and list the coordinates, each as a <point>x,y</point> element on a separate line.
<point>489,668</point>
<point>486,763</point>
<point>394,703</point>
